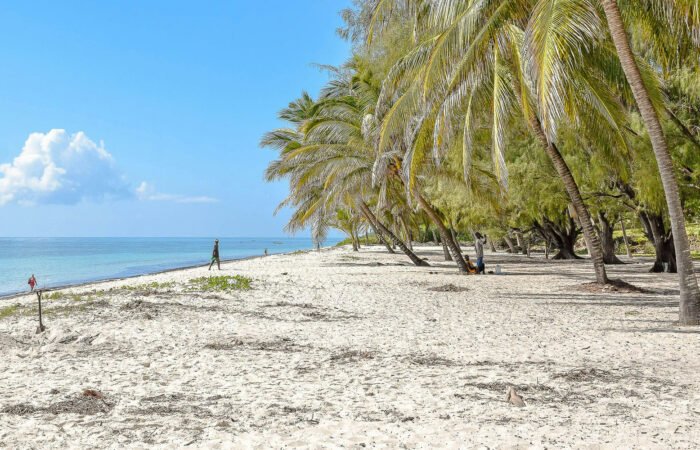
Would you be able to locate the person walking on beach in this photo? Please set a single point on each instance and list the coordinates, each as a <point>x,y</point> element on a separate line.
<point>479,247</point>
<point>31,283</point>
<point>215,256</point>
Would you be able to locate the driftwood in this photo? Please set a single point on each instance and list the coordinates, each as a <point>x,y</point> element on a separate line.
<point>513,398</point>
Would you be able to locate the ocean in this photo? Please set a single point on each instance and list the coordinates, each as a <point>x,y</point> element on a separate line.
<point>61,261</point>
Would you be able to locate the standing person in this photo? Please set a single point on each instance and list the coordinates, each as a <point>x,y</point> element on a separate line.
<point>31,283</point>
<point>215,255</point>
<point>479,247</point>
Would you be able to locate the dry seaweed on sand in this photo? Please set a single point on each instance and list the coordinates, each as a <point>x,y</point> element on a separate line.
<point>619,286</point>
<point>349,356</point>
<point>586,374</point>
<point>89,402</point>
<point>274,345</point>
<point>281,304</point>
<point>448,288</point>
<point>432,361</point>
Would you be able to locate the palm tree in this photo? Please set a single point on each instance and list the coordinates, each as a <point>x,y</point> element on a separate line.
<point>475,62</point>
<point>689,291</point>
<point>327,161</point>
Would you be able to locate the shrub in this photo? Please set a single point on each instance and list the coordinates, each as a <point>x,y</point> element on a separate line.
<point>222,283</point>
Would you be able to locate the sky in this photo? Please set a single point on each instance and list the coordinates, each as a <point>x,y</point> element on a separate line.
<point>143,117</point>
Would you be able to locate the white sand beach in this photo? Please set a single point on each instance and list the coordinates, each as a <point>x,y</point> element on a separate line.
<point>355,349</point>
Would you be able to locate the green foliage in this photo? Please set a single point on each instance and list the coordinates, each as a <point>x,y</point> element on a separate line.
<point>8,311</point>
<point>152,286</point>
<point>348,241</point>
<point>440,98</point>
<point>224,283</point>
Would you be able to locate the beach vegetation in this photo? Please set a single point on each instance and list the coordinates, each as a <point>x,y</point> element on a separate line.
<point>152,286</point>
<point>224,283</point>
<point>56,295</point>
<point>8,311</point>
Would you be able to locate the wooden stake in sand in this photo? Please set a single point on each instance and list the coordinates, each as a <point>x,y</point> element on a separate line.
<point>41,326</point>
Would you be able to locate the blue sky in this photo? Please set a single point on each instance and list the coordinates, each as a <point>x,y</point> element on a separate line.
<point>156,109</point>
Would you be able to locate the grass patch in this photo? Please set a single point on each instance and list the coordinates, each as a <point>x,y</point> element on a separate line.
<point>152,286</point>
<point>221,283</point>
<point>8,311</point>
<point>59,295</point>
<point>78,307</point>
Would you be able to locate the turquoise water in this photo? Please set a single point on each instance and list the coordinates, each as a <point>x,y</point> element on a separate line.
<point>61,261</point>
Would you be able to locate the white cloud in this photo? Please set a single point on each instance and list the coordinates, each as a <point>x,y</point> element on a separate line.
<point>57,167</point>
<point>147,191</point>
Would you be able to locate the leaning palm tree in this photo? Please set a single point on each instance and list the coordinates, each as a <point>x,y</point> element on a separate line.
<point>569,33</point>
<point>689,290</point>
<point>328,164</point>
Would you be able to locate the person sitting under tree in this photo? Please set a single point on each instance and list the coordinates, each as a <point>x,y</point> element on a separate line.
<point>215,256</point>
<point>471,268</point>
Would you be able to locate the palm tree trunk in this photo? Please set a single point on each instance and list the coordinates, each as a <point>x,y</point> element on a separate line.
<point>435,238</point>
<point>412,256</point>
<point>371,219</point>
<point>690,292</point>
<point>446,251</point>
<point>576,200</point>
<point>454,237</point>
<point>406,232</point>
<point>354,241</point>
<point>624,237</point>
<point>444,232</point>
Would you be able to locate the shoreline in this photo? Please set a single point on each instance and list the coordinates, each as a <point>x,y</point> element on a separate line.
<point>159,272</point>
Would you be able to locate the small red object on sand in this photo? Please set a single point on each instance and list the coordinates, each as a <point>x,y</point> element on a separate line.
<point>92,393</point>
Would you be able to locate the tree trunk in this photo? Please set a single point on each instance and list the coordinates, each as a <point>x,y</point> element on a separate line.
<point>576,200</point>
<point>563,236</point>
<point>509,243</point>
<point>444,232</point>
<point>446,251</point>
<point>406,232</point>
<point>492,245</point>
<point>606,240</point>
<point>655,231</point>
<point>690,292</point>
<point>454,237</point>
<point>371,219</point>
<point>521,243</point>
<point>412,256</point>
<point>527,243</point>
<point>355,247</point>
<point>624,238</point>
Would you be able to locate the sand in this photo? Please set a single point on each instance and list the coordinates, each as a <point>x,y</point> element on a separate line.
<point>345,349</point>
